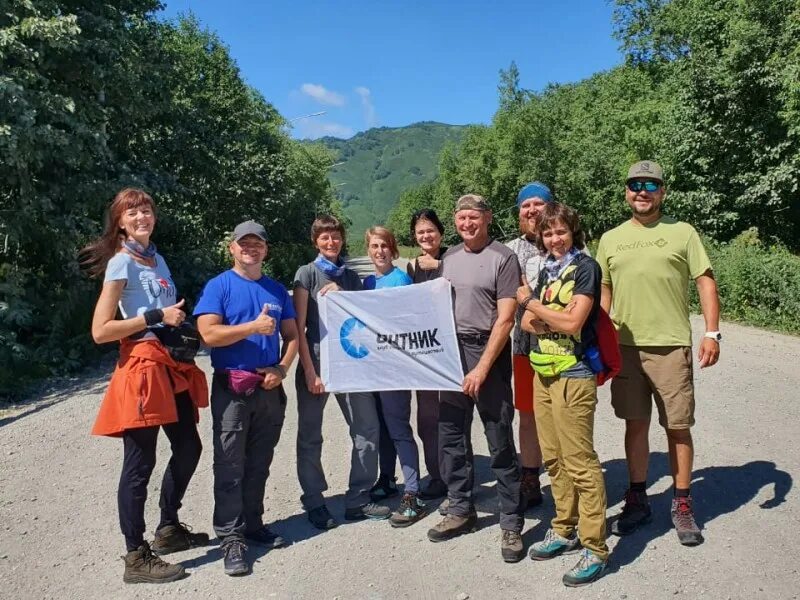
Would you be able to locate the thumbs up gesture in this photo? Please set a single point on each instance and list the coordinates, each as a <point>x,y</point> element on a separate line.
<point>174,315</point>
<point>524,291</point>
<point>263,323</point>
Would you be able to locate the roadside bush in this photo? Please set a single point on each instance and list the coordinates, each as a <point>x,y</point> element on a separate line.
<point>759,284</point>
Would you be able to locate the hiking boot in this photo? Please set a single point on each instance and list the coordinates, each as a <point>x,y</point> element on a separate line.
<point>372,511</point>
<point>530,488</point>
<point>436,488</point>
<point>176,538</point>
<point>321,518</point>
<point>234,561</point>
<point>444,506</point>
<point>685,525</point>
<point>409,512</point>
<point>452,526</point>
<point>142,566</point>
<point>384,488</point>
<point>265,537</point>
<point>589,568</point>
<point>635,513</point>
<point>554,544</point>
<point>511,547</point>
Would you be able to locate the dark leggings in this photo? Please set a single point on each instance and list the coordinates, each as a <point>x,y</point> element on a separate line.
<point>387,454</point>
<point>138,463</point>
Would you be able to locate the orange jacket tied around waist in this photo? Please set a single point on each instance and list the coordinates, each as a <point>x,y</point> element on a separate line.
<point>143,388</point>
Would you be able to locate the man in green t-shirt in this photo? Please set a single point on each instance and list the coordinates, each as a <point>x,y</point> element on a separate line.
<point>647,263</point>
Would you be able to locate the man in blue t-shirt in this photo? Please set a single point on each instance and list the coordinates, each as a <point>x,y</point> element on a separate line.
<point>242,315</point>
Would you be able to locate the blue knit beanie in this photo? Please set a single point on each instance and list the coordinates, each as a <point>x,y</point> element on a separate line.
<point>535,189</point>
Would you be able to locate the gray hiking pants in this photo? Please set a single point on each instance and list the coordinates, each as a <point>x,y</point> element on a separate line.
<point>246,431</point>
<point>362,418</point>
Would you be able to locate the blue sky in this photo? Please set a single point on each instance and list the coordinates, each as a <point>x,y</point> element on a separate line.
<point>392,62</point>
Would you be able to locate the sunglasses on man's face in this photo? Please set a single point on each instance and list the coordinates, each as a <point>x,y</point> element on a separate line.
<point>647,186</point>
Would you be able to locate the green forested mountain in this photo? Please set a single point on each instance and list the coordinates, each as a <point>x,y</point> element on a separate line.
<point>379,164</point>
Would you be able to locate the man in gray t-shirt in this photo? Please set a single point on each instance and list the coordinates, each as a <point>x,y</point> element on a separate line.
<point>485,275</point>
<point>479,279</point>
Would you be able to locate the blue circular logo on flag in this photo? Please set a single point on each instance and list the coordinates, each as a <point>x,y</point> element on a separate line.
<point>348,335</point>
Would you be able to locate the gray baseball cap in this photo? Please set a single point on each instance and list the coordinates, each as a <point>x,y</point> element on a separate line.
<point>249,228</point>
<point>646,169</point>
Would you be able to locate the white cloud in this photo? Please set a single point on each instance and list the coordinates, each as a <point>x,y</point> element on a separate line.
<point>322,95</point>
<point>370,118</point>
<point>313,129</point>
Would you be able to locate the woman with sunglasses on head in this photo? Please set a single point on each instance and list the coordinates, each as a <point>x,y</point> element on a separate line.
<point>394,407</point>
<point>149,389</point>
<point>427,231</point>
<point>562,311</point>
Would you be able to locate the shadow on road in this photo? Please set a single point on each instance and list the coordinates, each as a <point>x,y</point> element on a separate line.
<point>294,529</point>
<point>716,491</point>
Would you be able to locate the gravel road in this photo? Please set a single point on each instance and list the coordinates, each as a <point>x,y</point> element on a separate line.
<point>59,536</point>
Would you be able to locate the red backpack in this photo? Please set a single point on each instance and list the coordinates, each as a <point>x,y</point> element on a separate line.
<point>608,345</point>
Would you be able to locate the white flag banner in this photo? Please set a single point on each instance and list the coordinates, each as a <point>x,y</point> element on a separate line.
<point>401,338</point>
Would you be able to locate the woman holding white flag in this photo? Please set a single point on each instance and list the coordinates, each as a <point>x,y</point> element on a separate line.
<point>328,272</point>
<point>394,407</point>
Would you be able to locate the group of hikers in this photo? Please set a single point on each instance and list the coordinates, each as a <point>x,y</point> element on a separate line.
<point>534,308</point>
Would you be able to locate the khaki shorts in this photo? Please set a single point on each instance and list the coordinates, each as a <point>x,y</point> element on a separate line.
<point>663,373</point>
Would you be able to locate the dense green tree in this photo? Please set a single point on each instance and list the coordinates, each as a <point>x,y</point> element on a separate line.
<point>95,96</point>
<point>736,156</point>
<point>60,62</point>
<point>709,89</point>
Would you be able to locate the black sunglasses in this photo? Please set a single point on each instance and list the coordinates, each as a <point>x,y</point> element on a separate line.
<point>648,186</point>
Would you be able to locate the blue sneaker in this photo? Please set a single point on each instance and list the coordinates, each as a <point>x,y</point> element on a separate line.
<point>589,568</point>
<point>553,545</point>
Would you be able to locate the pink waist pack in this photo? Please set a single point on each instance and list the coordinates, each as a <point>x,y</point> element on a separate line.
<point>243,382</point>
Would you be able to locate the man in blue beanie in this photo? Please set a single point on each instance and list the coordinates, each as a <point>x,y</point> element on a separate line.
<point>532,198</point>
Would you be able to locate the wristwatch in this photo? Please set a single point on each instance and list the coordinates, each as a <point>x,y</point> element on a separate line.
<point>714,335</point>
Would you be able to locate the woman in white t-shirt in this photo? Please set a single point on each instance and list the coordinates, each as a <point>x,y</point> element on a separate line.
<point>149,389</point>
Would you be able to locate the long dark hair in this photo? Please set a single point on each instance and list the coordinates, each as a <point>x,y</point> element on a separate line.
<point>95,256</point>
<point>425,214</point>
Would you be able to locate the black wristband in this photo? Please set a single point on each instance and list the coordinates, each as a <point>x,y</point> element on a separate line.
<point>154,316</point>
<point>281,370</point>
<point>525,302</point>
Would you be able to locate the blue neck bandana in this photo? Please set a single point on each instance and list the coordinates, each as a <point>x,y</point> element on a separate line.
<point>138,250</point>
<point>555,266</point>
<point>330,269</point>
